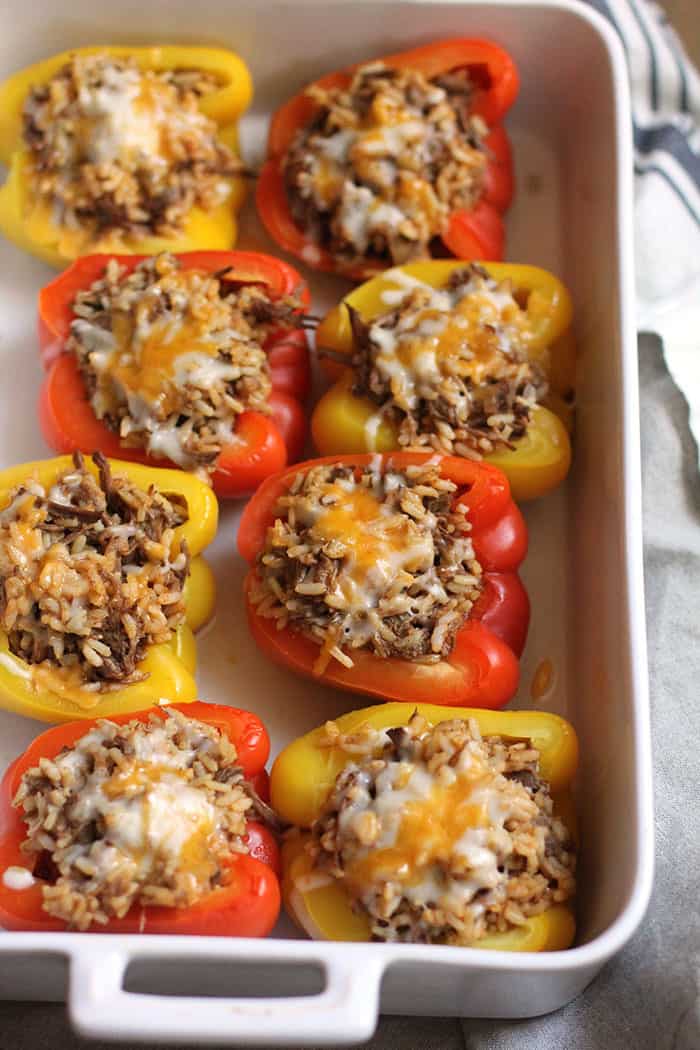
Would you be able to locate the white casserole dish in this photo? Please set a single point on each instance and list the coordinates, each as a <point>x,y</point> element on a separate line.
<point>571,131</point>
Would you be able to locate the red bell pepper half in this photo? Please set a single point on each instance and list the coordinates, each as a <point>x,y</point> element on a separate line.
<point>247,906</point>
<point>482,670</point>
<point>266,443</point>
<point>474,234</point>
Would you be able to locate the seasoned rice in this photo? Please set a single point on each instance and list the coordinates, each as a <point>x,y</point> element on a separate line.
<point>440,835</point>
<point>377,559</point>
<point>449,367</point>
<point>136,814</point>
<point>117,149</point>
<point>384,162</point>
<point>171,357</point>
<point>91,574</point>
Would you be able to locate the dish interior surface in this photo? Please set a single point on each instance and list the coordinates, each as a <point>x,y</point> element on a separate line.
<point>583,557</point>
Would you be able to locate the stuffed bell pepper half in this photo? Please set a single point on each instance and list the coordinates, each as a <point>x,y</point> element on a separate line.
<point>422,824</point>
<point>392,575</point>
<point>146,823</point>
<point>398,158</point>
<point>102,585</point>
<point>198,359</point>
<point>473,360</point>
<point>123,149</point>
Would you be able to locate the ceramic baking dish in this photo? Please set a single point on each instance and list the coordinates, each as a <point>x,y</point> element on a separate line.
<point>571,130</point>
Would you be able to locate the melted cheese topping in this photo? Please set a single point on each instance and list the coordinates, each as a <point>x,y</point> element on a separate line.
<point>429,824</point>
<point>146,358</point>
<point>379,139</point>
<point>128,117</point>
<point>471,332</point>
<point>149,811</point>
<point>120,119</point>
<point>379,543</point>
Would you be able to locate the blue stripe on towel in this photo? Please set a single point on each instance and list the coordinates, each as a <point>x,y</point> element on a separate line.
<point>669,138</point>
<point>672,45</point>
<point>654,82</point>
<point>640,169</point>
<point>664,137</point>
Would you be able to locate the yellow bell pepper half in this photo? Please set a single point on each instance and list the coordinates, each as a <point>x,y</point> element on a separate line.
<point>304,774</point>
<point>44,693</point>
<point>344,423</point>
<point>27,221</point>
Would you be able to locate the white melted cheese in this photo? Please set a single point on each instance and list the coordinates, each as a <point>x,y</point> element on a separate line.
<point>17,878</point>
<point>424,346</point>
<point>120,129</point>
<point>379,545</point>
<point>361,214</point>
<point>337,147</point>
<point>157,825</point>
<point>393,139</point>
<point>150,813</point>
<point>203,370</point>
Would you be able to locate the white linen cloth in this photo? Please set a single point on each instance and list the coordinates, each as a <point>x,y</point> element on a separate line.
<point>666,114</point>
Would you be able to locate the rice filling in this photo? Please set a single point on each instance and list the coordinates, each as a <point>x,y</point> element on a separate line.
<point>119,150</point>
<point>171,357</point>
<point>91,574</point>
<point>136,814</point>
<point>384,162</point>
<point>440,835</point>
<point>449,366</point>
<point>376,558</point>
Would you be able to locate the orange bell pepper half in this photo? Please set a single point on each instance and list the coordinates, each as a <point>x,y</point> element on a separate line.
<point>246,906</point>
<point>474,234</point>
<point>266,443</point>
<point>482,669</point>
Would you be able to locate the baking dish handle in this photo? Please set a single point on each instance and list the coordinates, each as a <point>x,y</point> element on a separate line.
<point>344,1012</point>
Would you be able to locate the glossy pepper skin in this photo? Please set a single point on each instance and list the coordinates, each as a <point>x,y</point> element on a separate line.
<point>474,234</point>
<point>247,906</point>
<point>541,458</point>
<point>170,666</point>
<point>482,669</point>
<point>265,443</point>
<point>303,776</point>
<point>29,224</point>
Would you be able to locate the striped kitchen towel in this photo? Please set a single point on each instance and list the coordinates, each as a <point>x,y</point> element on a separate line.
<point>665,89</point>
